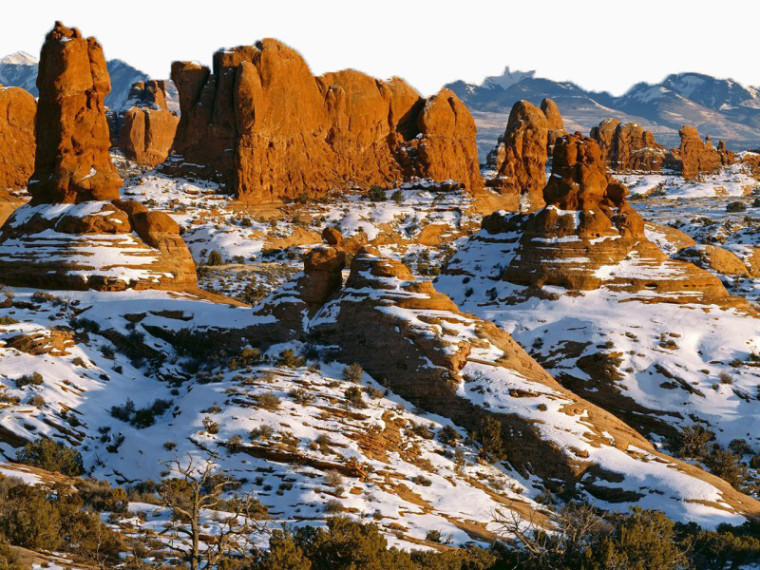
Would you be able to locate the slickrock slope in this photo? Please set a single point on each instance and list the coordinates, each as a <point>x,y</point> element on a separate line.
<point>76,233</point>
<point>147,128</point>
<point>72,163</point>
<point>628,147</point>
<point>414,340</point>
<point>588,236</point>
<point>272,130</point>
<point>17,111</point>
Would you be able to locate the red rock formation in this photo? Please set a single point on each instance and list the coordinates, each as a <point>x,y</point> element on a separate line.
<point>523,170</point>
<point>553,123</point>
<point>17,111</point>
<point>77,234</point>
<point>150,93</point>
<point>273,130</point>
<point>697,157</point>
<point>72,162</point>
<point>588,236</point>
<point>146,135</point>
<point>145,132</point>
<point>628,147</point>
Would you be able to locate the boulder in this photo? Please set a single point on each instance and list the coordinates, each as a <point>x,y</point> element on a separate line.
<point>271,130</point>
<point>331,236</point>
<point>72,162</point>
<point>17,112</point>
<point>523,170</point>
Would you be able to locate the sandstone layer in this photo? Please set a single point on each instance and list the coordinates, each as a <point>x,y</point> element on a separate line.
<point>17,111</point>
<point>271,130</point>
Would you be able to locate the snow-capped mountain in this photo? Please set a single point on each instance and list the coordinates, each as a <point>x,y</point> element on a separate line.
<point>722,108</point>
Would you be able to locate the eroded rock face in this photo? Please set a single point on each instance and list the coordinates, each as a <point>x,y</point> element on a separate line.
<point>554,123</point>
<point>697,157</point>
<point>272,130</point>
<point>588,236</point>
<point>146,135</point>
<point>145,132</point>
<point>628,147</point>
<point>523,169</point>
<point>76,233</point>
<point>72,163</point>
<point>17,111</point>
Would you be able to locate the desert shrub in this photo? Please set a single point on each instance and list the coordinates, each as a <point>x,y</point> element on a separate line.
<point>262,432</point>
<point>422,480</point>
<point>52,456</point>
<point>353,373</point>
<point>448,435</point>
<point>736,206</point>
<point>33,379</point>
<point>214,258</point>
<point>100,496</point>
<point>421,430</point>
<point>725,378</point>
<point>247,357</point>
<point>291,359</point>
<point>211,426</point>
<point>268,401</point>
<point>354,397</point>
<point>376,194</point>
<point>302,396</point>
<point>8,321</point>
<point>283,554</point>
<point>37,401</point>
<point>694,440</point>
<point>333,479</point>
<point>641,539</point>
<point>333,506</point>
<point>727,466</point>
<point>140,417</point>
<point>488,435</point>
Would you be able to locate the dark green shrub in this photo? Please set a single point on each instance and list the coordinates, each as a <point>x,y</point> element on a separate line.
<point>52,456</point>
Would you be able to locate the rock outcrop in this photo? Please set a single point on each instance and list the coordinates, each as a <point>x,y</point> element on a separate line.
<point>414,340</point>
<point>272,130</point>
<point>72,163</point>
<point>588,236</point>
<point>522,172</point>
<point>76,233</point>
<point>697,156</point>
<point>628,147</point>
<point>554,123</point>
<point>17,111</point>
<point>146,130</point>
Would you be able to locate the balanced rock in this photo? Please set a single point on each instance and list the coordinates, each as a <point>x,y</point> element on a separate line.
<point>72,163</point>
<point>523,170</point>
<point>272,130</point>
<point>697,157</point>
<point>628,147</point>
<point>76,233</point>
<point>17,111</point>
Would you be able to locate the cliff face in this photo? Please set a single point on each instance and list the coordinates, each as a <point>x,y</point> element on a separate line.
<point>17,111</point>
<point>273,130</point>
<point>72,163</point>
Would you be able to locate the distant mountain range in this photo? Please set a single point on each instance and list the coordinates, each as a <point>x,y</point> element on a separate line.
<point>721,108</point>
<point>20,70</point>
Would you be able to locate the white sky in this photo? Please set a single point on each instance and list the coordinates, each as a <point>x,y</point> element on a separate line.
<point>601,45</point>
